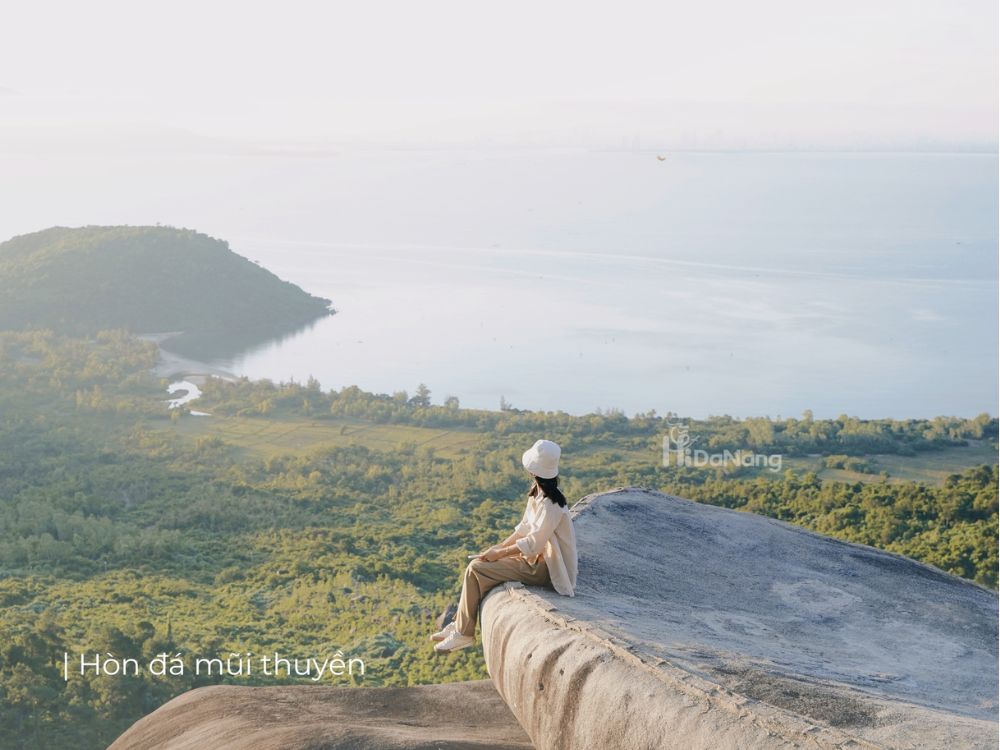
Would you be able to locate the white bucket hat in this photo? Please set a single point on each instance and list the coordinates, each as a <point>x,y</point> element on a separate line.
<point>542,459</point>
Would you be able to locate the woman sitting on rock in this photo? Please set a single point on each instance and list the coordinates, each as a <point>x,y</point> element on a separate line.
<point>540,552</point>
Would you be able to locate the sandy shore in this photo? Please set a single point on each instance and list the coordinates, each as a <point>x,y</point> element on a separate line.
<point>176,367</point>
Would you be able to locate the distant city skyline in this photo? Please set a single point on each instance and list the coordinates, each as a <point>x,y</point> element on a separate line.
<point>779,74</point>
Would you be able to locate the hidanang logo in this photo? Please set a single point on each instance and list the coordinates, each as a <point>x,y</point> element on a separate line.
<point>678,450</point>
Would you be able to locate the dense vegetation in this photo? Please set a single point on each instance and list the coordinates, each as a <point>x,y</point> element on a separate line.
<point>129,530</point>
<point>149,280</point>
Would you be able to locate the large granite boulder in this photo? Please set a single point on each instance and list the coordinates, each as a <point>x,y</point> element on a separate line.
<point>701,627</point>
<point>458,716</point>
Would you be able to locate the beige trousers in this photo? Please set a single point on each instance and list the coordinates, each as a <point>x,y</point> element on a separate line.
<point>482,576</point>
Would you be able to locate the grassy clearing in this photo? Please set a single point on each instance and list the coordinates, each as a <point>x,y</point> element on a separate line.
<point>266,437</point>
<point>931,467</point>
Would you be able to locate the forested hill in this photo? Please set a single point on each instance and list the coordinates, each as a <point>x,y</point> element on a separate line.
<point>145,279</point>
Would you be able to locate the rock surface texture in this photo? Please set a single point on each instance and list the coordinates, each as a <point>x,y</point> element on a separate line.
<point>458,716</point>
<point>695,626</point>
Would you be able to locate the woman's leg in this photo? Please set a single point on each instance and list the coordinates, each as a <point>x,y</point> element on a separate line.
<point>482,576</point>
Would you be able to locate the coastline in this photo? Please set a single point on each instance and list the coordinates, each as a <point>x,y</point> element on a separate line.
<point>175,367</point>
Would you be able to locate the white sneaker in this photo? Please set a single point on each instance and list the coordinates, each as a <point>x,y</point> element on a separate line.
<point>454,642</point>
<point>444,632</point>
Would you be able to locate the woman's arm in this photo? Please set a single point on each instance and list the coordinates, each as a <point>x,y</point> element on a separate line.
<point>505,547</point>
<point>508,546</point>
<point>522,528</point>
<point>501,550</point>
<point>549,516</point>
<point>532,543</point>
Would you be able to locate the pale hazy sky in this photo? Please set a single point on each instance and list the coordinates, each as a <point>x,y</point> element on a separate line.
<point>770,73</point>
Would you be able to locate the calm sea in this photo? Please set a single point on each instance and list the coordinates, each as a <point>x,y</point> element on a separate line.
<point>706,283</point>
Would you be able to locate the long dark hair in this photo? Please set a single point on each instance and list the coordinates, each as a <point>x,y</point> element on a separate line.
<point>549,489</point>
